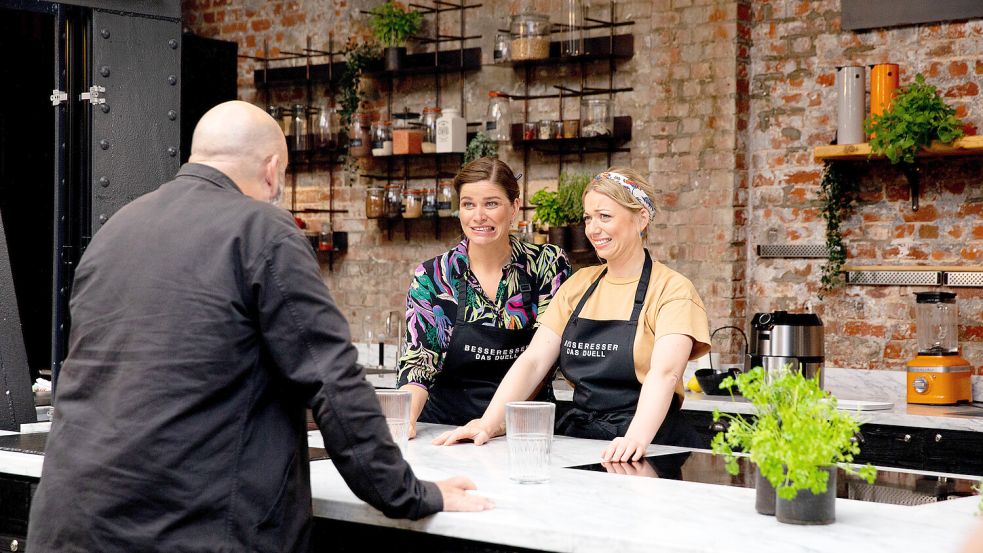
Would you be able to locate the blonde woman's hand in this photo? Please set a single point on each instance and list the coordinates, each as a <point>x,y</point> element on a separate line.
<point>623,449</point>
<point>476,431</point>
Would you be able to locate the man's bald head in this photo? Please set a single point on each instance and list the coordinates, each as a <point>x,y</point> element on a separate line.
<point>241,140</point>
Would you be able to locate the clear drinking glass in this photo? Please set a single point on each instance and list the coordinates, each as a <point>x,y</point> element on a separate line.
<point>572,37</point>
<point>396,408</point>
<point>529,430</point>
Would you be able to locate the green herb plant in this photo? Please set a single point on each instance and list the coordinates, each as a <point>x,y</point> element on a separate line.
<point>480,146</point>
<point>838,194</point>
<point>570,196</point>
<point>979,490</point>
<point>548,211</point>
<point>393,24</point>
<point>358,56</point>
<point>917,116</point>
<point>796,434</point>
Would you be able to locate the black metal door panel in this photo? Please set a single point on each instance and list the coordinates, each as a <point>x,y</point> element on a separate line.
<point>136,132</point>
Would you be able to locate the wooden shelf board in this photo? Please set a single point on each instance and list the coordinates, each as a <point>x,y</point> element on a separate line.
<point>966,146</point>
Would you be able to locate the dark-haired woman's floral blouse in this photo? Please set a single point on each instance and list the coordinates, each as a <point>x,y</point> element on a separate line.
<point>431,305</point>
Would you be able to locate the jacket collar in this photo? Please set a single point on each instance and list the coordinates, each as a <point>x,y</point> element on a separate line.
<point>208,173</point>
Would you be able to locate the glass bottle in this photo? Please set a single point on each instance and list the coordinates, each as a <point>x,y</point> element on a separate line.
<point>394,201</point>
<point>375,199</point>
<point>323,130</point>
<point>382,139</point>
<point>413,203</point>
<point>360,141</point>
<point>429,122</point>
<point>446,199</point>
<point>299,127</point>
<point>498,123</point>
<point>572,37</point>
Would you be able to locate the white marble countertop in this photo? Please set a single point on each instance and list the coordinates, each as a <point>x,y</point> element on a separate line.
<point>581,511</point>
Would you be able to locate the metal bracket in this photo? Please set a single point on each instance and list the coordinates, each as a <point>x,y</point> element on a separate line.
<point>94,95</point>
<point>58,97</point>
<point>913,173</point>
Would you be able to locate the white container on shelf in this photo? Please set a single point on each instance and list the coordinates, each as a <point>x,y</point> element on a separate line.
<point>850,112</point>
<point>452,132</point>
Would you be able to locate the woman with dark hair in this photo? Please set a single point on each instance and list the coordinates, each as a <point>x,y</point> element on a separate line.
<point>622,333</point>
<point>471,311</point>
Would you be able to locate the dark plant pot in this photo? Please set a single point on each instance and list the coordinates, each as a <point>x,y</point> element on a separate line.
<point>395,55</point>
<point>764,499</point>
<point>560,236</point>
<point>578,239</point>
<point>807,508</point>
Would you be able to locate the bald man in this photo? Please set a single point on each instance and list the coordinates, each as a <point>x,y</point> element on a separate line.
<point>201,329</point>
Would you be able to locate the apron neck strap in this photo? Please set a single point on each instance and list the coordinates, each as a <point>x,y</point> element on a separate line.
<point>640,290</point>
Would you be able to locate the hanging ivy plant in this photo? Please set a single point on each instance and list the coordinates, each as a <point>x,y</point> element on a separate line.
<point>917,116</point>
<point>838,194</point>
<point>358,56</point>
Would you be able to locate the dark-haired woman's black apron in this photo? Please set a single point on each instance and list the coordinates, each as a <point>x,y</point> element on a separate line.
<point>597,357</point>
<point>477,358</point>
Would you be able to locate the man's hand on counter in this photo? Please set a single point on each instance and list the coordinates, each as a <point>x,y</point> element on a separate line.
<point>456,497</point>
<point>476,431</point>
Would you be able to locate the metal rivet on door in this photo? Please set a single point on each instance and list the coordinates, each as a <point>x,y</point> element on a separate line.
<point>172,151</point>
<point>172,43</point>
<point>103,218</point>
<point>171,114</point>
<point>104,144</point>
<point>172,79</point>
<point>104,70</point>
<point>104,33</point>
<point>103,182</point>
<point>104,108</point>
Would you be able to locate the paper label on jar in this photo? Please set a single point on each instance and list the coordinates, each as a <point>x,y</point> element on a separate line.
<point>356,143</point>
<point>491,125</point>
<point>443,206</point>
<point>378,144</point>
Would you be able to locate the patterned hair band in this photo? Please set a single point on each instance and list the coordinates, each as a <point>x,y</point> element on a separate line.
<point>632,187</point>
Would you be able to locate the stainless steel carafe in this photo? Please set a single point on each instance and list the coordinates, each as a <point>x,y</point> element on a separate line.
<point>780,339</point>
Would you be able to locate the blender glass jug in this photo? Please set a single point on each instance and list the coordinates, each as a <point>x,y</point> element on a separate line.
<point>936,322</point>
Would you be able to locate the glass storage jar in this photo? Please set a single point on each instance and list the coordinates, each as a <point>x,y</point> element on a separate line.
<point>596,118</point>
<point>498,123</point>
<point>546,129</point>
<point>530,34</point>
<point>429,122</point>
<point>413,203</point>
<point>375,200</point>
<point>323,128</point>
<point>501,53</point>
<point>298,128</point>
<point>360,140</point>
<point>446,199</point>
<point>382,139</point>
<point>429,206</point>
<point>394,201</point>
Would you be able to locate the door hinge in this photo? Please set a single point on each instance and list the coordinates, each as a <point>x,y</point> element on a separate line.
<point>58,97</point>
<point>94,95</point>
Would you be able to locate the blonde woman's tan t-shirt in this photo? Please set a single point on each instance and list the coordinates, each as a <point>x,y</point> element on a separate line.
<point>672,306</point>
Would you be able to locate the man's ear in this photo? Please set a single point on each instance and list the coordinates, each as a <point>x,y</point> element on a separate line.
<point>271,170</point>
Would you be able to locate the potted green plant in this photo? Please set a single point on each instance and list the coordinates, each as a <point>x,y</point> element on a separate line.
<point>570,195</point>
<point>549,213</point>
<point>480,146</point>
<point>394,24</point>
<point>917,116</point>
<point>797,440</point>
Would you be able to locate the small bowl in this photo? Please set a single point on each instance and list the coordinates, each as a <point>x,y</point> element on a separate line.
<point>710,380</point>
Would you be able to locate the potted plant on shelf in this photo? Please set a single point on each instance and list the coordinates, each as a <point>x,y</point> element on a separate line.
<point>570,195</point>
<point>797,440</point>
<point>549,213</point>
<point>394,24</point>
<point>480,146</point>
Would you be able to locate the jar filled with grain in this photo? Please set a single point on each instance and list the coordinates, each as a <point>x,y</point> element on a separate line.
<point>530,33</point>
<point>375,201</point>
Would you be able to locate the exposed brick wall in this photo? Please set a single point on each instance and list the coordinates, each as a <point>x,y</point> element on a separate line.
<point>730,97</point>
<point>797,46</point>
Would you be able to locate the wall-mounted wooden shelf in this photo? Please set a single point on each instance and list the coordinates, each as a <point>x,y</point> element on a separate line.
<point>966,146</point>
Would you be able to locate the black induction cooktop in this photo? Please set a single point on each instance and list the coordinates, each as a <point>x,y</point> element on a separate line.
<point>892,486</point>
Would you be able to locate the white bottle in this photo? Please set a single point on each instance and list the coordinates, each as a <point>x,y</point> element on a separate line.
<point>451,132</point>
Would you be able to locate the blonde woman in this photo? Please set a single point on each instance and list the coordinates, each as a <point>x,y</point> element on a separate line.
<point>622,332</point>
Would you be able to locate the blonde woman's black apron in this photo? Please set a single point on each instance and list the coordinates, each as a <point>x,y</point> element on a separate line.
<point>598,359</point>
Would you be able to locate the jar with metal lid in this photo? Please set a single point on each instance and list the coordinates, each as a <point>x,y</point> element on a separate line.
<point>499,120</point>
<point>413,203</point>
<point>429,122</point>
<point>446,199</point>
<point>375,200</point>
<point>546,129</point>
<point>502,50</point>
<point>596,117</point>
<point>530,34</point>
<point>394,201</point>
<point>360,138</point>
<point>429,203</point>
<point>382,138</point>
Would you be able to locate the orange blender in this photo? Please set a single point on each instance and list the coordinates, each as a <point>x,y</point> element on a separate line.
<point>938,375</point>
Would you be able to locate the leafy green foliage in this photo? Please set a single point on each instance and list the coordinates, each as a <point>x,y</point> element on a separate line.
<point>393,24</point>
<point>917,116</point>
<point>548,211</point>
<point>358,56</point>
<point>480,146</point>
<point>797,432</point>
<point>838,193</point>
<point>570,196</point>
<point>979,490</point>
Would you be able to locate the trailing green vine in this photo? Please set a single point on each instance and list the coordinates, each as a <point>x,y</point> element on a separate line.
<point>917,116</point>
<point>358,56</point>
<point>838,194</point>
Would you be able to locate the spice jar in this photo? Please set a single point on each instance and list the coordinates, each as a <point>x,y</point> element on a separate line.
<point>446,199</point>
<point>394,201</point>
<point>413,204</point>
<point>530,131</point>
<point>546,129</point>
<point>360,141</point>
<point>530,34</point>
<point>429,207</point>
<point>595,117</point>
<point>571,128</point>
<point>382,139</point>
<point>375,200</point>
<point>429,122</point>
<point>502,48</point>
